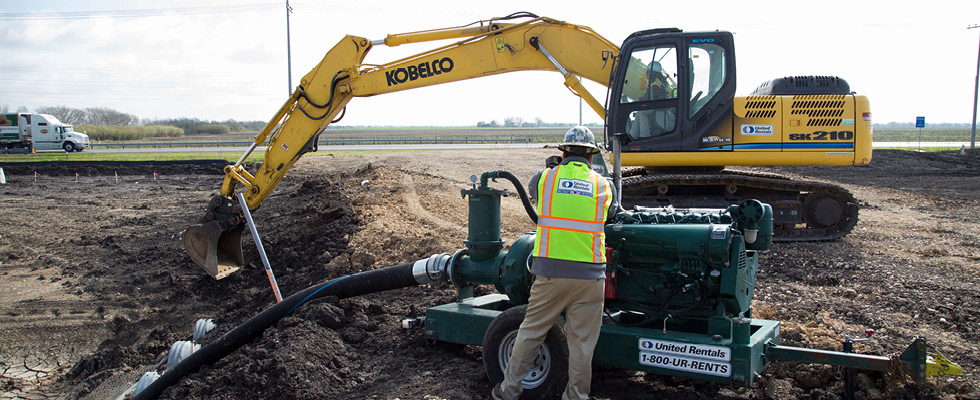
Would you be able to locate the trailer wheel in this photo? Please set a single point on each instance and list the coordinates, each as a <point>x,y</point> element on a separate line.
<point>69,147</point>
<point>548,375</point>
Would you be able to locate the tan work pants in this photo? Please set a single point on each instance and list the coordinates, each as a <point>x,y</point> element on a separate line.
<point>581,299</point>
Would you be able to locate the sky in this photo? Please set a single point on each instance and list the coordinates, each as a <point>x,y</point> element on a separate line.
<point>219,60</point>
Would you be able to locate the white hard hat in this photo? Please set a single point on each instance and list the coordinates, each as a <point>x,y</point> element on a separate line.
<point>655,66</point>
<point>579,136</point>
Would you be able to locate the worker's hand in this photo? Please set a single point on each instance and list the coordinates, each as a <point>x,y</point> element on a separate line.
<point>552,161</point>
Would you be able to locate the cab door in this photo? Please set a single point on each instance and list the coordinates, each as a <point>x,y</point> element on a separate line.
<point>46,136</point>
<point>698,75</point>
<point>644,102</point>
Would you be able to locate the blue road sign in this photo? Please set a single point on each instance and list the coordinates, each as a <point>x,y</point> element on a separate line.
<point>920,122</point>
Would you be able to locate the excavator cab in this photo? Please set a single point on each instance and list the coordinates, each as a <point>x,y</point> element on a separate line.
<point>671,88</point>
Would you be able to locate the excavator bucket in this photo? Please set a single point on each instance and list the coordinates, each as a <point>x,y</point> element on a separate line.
<point>216,242</point>
<point>218,252</point>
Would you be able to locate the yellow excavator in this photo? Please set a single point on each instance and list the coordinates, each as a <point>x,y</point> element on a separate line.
<point>670,111</point>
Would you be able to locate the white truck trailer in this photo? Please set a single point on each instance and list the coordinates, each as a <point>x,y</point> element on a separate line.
<point>39,131</point>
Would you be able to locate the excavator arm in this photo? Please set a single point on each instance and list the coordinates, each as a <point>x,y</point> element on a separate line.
<point>486,48</point>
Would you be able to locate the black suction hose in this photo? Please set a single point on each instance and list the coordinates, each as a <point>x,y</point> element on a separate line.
<point>379,280</point>
<point>520,190</point>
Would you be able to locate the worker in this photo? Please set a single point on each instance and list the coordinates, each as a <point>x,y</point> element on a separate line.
<point>656,121</point>
<point>659,88</point>
<point>569,264</point>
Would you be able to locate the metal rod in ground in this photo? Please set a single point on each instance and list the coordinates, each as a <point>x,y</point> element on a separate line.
<point>848,372</point>
<point>258,243</point>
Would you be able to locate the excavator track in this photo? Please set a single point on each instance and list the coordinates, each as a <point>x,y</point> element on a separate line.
<point>803,211</point>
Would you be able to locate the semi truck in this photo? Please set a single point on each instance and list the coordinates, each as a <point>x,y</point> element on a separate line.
<point>40,132</point>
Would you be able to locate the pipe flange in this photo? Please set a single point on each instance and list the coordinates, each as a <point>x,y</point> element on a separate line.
<point>450,269</point>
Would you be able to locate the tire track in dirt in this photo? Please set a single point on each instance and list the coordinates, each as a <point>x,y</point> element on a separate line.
<point>411,197</point>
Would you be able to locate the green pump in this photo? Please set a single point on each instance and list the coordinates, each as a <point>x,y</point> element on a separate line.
<point>679,288</point>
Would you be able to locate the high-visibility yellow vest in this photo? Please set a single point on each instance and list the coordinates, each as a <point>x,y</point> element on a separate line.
<point>573,202</point>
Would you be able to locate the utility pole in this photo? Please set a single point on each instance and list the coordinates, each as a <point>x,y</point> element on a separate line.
<point>289,55</point>
<point>976,87</point>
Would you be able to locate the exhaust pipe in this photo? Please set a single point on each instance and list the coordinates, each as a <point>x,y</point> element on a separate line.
<point>215,243</point>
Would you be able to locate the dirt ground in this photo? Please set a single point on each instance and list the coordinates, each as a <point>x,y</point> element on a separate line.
<point>97,286</point>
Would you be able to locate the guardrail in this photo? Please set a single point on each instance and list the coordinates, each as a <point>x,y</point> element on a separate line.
<point>334,142</point>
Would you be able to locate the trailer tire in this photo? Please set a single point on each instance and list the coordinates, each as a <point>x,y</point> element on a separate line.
<point>548,376</point>
<point>69,147</point>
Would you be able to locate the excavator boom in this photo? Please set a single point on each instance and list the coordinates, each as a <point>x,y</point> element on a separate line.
<point>670,103</point>
<point>486,48</point>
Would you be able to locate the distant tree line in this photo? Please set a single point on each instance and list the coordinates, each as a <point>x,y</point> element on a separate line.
<point>104,116</point>
<point>511,122</point>
<point>518,122</point>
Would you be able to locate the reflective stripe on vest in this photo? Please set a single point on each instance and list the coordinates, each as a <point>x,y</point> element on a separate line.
<point>572,210</point>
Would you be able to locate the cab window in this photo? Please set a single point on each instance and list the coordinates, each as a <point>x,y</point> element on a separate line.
<point>651,75</point>
<point>707,74</point>
<point>651,85</point>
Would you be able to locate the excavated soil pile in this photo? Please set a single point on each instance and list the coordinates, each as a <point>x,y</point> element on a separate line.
<point>100,286</point>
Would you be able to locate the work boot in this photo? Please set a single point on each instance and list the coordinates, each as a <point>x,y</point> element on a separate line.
<point>497,393</point>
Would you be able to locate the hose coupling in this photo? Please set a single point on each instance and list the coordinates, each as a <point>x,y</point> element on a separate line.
<point>413,323</point>
<point>431,269</point>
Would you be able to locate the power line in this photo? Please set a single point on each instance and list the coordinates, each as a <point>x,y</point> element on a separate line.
<point>137,13</point>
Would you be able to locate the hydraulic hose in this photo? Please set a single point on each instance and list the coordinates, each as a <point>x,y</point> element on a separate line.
<point>520,190</point>
<point>379,280</point>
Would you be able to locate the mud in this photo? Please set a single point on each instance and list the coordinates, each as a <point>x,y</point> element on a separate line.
<point>97,285</point>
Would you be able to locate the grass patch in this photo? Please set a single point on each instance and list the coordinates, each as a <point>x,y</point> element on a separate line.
<point>96,157</point>
<point>928,134</point>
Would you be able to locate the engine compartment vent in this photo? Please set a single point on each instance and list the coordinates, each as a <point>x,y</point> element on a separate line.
<point>760,107</point>
<point>797,85</point>
<point>820,110</point>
